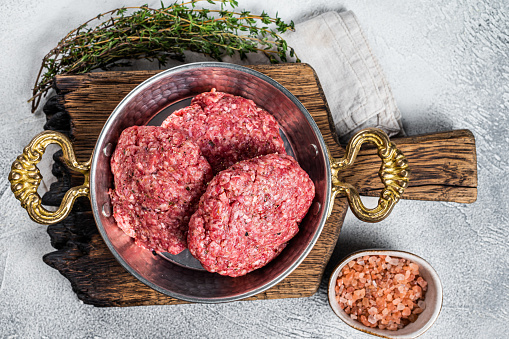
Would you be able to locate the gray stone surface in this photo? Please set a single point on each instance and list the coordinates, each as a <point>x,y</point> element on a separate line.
<point>448,64</point>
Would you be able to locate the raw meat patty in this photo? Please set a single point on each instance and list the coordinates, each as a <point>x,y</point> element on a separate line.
<point>159,178</point>
<point>227,128</point>
<point>249,213</point>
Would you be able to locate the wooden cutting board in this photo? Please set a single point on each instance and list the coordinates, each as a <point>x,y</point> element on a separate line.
<point>443,168</point>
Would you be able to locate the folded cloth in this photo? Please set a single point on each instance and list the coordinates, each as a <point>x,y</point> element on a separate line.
<point>355,87</point>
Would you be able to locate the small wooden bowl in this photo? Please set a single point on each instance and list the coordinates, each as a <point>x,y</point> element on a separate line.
<point>433,297</point>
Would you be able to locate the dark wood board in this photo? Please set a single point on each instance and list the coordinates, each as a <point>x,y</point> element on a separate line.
<point>443,168</point>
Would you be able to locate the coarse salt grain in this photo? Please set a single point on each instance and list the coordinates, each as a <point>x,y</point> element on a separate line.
<point>394,262</point>
<point>371,320</point>
<point>381,291</point>
<point>373,310</point>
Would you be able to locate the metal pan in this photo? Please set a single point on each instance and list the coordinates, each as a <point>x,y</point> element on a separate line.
<point>154,99</point>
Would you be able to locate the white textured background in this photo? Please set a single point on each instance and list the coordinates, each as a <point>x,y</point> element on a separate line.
<point>448,64</point>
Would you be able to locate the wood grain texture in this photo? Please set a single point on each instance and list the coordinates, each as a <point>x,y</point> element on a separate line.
<point>90,98</point>
<point>443,168</point>
<point>83,257</point>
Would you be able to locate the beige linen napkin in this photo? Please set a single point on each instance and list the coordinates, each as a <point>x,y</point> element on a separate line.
<point>356,89</point>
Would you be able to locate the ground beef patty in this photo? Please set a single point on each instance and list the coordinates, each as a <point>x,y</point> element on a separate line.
<point>249,213</point>
<point>159,177</point>
<point>227,128</point>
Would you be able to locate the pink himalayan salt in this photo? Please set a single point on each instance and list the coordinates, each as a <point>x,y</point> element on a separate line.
<point>422,282</point>
<point>381,291</point>
<point>394,262</point>
<point>372,320</point>
<point>417,310</point>
<point>358,294</point>
<point>399,277</point>
<point>365,302</point>
<point>414,268</point>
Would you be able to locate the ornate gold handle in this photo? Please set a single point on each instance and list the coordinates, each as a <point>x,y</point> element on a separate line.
<point>25,177</point>
<point>394,173</point>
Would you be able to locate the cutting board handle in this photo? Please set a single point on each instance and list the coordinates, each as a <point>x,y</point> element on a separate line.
<point>443,165</point>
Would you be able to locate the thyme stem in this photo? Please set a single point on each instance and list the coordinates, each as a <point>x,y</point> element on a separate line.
<point>160,34</point>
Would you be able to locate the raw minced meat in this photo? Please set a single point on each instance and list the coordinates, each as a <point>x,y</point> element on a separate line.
<point>227,128</point>
<point>159,177</point>
<point>248,214</point>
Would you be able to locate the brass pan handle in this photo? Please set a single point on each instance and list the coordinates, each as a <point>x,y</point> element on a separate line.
<point>394,174</point>
<point>25,177</point>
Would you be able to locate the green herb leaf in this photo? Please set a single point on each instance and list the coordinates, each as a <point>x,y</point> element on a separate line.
<point>160,34</point>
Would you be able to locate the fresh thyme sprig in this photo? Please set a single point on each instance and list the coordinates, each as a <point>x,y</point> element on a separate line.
<point>159,34</point>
